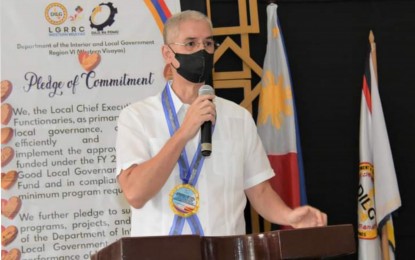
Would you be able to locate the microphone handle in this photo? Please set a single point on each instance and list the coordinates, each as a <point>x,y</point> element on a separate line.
<point>206,138</point>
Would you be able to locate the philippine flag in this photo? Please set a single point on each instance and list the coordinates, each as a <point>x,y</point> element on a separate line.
<point>277,122</point>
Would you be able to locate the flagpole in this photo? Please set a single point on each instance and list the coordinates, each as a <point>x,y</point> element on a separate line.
<point>385,243</point>
<point>373,52</point>
<point>384,234</point>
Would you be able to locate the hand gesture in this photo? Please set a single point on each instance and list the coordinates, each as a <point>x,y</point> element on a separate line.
<point>307,216</point>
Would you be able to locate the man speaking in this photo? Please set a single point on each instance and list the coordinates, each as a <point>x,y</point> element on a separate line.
<point>171,186</point>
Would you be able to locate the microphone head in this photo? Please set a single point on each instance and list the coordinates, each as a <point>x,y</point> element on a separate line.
<point>206,90</point>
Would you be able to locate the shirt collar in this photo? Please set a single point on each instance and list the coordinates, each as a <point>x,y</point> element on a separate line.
<point>178,104</point>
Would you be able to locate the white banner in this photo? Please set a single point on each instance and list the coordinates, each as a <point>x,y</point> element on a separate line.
<point>67,69</point>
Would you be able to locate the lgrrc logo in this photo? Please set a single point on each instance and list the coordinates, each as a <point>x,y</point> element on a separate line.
<point>56,13</point>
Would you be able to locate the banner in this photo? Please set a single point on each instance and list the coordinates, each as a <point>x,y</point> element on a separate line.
<point>277,120</point>
<point>67,70</point>
<point>378,193</point>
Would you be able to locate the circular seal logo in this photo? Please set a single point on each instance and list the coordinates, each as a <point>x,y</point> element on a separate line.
<point>184,200</point>
<point>56,13</point>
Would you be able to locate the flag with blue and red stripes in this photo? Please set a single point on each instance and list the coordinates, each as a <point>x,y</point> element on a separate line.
<point>159,10</point>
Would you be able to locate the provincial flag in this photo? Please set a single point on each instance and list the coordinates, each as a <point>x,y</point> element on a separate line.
<point>277,120</point>
<point>160,12</point>
<point>378,193</point>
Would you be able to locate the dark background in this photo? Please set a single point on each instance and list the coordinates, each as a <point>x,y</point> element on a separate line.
<point>326,44</point>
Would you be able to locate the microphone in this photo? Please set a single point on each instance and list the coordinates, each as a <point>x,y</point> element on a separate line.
<point>206,128</point>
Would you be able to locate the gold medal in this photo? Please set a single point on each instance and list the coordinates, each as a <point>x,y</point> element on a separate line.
<point>184,200</point>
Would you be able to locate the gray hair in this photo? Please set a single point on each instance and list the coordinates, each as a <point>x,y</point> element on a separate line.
<point>171,27</point>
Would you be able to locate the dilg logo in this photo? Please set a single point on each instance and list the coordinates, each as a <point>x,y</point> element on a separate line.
<point>103,16</point>
<point>367,226</point>
<point>56,13</point>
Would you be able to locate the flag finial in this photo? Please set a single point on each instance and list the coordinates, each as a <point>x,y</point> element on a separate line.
<point>373,52</point>
<point>371,37</point>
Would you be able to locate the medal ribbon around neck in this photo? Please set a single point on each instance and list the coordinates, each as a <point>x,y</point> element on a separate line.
<point>188,174</point>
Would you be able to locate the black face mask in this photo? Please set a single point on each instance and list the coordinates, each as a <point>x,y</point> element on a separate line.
<point>195,67</point>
